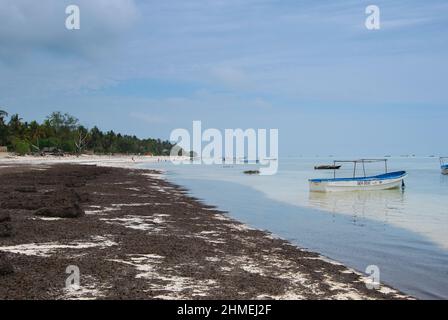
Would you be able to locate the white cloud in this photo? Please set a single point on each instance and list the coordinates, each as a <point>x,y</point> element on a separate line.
<point>297,51</point>
<point>29,27</point>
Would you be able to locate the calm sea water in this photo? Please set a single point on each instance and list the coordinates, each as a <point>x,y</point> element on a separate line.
<point>403,232</point>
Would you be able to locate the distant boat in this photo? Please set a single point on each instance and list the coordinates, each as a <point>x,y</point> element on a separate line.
<point>388,180</point>
<point>247,160</point>
<point>251,172</point>
<point>444,165</point>
<point>327,167</point>
<point>445,169</point>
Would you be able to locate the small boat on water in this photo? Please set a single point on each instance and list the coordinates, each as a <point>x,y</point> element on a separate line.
<point>444,165</point>
<point>327,167</point>
<point>387,180</point>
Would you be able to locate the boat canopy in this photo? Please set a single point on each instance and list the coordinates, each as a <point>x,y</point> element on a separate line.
<point>362,162</point>
<point>443,161</point>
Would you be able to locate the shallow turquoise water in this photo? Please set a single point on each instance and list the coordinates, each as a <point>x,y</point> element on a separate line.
<point>403,232</point>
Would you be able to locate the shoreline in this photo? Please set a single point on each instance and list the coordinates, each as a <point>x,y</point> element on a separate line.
<point>157,242</point>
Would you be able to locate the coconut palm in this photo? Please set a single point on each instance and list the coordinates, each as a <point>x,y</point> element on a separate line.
<point>3,114</point>
<point>3,128</point>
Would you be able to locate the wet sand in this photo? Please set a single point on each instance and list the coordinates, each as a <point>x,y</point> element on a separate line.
<point>134,235</point>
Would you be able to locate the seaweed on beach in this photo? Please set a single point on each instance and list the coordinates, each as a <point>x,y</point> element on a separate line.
<point>141,237</point>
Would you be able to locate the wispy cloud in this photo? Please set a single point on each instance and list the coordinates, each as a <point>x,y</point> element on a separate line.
<point>30,27</point>
<point>243,59</point>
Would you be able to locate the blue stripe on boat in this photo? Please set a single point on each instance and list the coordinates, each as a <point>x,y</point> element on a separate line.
<point>445,166</point>
<point>385,176</point>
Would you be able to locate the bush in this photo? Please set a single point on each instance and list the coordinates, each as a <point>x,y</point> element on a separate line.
<point>49,143</point>
<point>21,147</point>
<point>68,146</point>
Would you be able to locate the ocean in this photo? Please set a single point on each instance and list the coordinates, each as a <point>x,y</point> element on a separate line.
<point>403,232</point>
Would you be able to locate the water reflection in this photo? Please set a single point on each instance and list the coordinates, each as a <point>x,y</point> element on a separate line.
<point>379,205</point>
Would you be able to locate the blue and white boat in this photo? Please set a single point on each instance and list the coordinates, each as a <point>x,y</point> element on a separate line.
<point>444,165</point>
<point>387,180</point>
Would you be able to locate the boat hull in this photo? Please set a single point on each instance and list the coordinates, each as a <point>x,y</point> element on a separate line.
<point>368,184</point>
<point>444,169</point>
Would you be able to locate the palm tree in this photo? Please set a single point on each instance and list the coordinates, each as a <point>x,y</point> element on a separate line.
<point>2,115</point>
<point>3,128</point>
<point>16,126</point>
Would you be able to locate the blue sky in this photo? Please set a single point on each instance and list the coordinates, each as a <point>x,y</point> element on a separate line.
<point>309,68</point>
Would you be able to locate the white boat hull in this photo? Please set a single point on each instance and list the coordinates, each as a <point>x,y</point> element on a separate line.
<point>360,185</point>
<point>444,170</point>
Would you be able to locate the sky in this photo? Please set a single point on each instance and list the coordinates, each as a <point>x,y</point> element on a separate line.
<point>310,69</point>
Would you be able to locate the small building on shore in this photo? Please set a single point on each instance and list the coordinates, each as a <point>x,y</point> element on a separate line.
<point>3,152</point>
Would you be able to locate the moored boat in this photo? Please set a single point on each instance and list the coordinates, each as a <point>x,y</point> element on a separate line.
<point>387,180</point>
<point>444,165</point>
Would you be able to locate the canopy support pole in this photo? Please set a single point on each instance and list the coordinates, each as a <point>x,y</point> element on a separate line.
<point>334,169</point>
<point>364,168</point>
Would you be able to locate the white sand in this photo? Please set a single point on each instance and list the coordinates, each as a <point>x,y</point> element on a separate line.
<point>160,279</point>
<point>47,218</point>
<point>48,248</point>
<point>153,224</point>
<point>121,161</point>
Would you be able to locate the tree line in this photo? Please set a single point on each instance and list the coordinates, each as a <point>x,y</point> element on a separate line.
<point>63,133</point>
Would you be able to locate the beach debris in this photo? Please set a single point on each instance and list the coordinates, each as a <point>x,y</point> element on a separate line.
<point>59,201</point>
<point>5,230</point>
<point>167,246</point>
<point>26,189</point>
<point>75,184</point>
<point>29,198</point>
<point>4,217</point>
<point>6,267</point>
<point>73,211</point>
<point>66,197</point>
<point>5,225</point>
<point>81,197</point>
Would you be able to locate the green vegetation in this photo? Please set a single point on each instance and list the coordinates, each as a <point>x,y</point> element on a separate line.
<point>63,133</point>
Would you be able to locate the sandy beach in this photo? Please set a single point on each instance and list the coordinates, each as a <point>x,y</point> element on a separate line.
<point>133,235</point>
